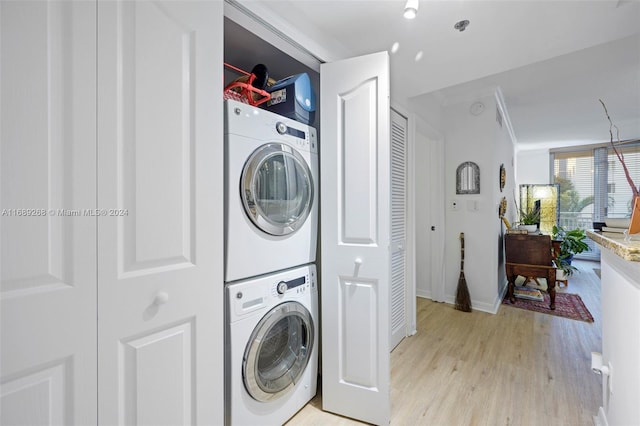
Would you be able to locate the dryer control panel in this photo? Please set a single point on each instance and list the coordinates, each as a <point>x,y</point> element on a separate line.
<point>257,123</point>
<point>305,139</point>
<point>296,286</point>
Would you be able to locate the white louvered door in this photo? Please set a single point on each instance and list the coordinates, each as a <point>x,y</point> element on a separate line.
<point>398,310</point>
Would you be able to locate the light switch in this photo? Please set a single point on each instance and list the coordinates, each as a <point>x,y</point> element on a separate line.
<point>473,205</point>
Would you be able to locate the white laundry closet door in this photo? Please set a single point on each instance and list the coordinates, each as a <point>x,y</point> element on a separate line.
<point>355,223</point>
<point>160,174</point>
<point>48,258</point>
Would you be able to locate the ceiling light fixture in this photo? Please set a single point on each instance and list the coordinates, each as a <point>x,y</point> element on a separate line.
<point>411,9</point>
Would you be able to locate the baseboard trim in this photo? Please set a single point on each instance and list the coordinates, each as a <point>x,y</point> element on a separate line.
<point>423,293</point>
<point>498,301</point>
<point>491,308</point>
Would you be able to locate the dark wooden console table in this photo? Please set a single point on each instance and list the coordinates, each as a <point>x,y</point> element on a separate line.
<point>529,256</point>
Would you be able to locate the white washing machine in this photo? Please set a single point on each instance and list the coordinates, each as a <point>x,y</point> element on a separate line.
<point>271,196</point>
<point>271,346</point>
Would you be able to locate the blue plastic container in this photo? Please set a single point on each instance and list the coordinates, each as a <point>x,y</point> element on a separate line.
<point>293,97</point>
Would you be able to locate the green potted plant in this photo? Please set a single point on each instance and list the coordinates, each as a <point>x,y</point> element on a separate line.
<point>571,243</point>
<point>529,219</point>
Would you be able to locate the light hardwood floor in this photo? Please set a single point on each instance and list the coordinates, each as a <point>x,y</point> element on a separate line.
<point>514,368</point>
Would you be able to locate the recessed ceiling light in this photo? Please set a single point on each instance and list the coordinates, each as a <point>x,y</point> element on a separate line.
<point>411,9</point>
<point>461,25</point>
<point>395,47</point>
<point>418,56</point>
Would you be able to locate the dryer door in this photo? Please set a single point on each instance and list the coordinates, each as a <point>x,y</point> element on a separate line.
<point>277,189</point>
<point>278,351</point>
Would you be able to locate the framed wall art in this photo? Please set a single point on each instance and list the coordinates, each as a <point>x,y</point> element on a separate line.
<point>468,178</point>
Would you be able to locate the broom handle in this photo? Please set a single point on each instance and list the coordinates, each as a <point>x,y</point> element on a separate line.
<point>462,251</point>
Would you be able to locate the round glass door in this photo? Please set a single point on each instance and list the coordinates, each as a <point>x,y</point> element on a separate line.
<point>276,189</point>
<point>278,351</point>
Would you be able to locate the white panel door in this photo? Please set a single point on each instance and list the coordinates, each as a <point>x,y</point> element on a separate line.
<point>355,223</point>
<point>160,174</point>
<point>48,259</point>
<point>398,324</point>
<point>436,214</point>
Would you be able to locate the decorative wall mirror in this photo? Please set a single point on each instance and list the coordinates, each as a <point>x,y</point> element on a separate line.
<point>546,199</point>
<point>468,178</point>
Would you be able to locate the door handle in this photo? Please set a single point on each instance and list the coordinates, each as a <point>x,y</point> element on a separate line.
<point>433,228</point>
<point>161,298</point>
<point>356,268</point>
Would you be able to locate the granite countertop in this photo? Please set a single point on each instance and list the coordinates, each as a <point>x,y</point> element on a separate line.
<point>627,250</point>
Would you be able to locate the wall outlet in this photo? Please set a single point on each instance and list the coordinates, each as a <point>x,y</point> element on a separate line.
<point>473,205</point>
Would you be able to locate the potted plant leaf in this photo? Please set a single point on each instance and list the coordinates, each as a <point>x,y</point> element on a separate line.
<point>564,268</point>
<point>571,243</point>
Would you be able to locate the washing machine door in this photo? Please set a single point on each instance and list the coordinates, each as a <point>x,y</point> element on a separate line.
<point>277,189</point>
<point>278,351</point>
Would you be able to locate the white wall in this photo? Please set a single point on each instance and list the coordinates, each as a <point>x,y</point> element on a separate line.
<point>504,154</point>
<point>532,167</point>
<point>470,138</point>
<point>480,139</point>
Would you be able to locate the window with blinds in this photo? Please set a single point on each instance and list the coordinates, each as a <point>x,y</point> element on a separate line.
<point>619,192</point>
<point>574,172</point>
<point>594,186</point>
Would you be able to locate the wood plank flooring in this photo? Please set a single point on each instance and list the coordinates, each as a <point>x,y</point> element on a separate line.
<point>514,368</point>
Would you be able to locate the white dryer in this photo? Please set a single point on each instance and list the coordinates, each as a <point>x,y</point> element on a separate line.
<point>271,346</point>
<point>271,197</point>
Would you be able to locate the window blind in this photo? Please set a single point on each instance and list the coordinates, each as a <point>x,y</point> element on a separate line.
<point>574,172</point>
<point>619,192</point>
<point>593,185</point>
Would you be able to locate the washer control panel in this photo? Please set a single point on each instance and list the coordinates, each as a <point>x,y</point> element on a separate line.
<point>247,297</point>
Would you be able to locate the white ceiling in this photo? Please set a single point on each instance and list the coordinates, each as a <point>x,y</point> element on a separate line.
<point>552,60</point>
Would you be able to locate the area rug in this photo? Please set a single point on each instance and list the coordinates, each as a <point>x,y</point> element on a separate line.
<point>568,305</point>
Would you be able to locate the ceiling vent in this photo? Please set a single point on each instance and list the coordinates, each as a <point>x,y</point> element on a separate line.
<point>461,25</point>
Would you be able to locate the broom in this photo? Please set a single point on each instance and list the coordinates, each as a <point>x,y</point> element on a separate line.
<point>463,299</point>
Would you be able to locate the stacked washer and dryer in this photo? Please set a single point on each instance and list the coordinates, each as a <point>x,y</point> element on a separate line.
<point>271,216</point>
